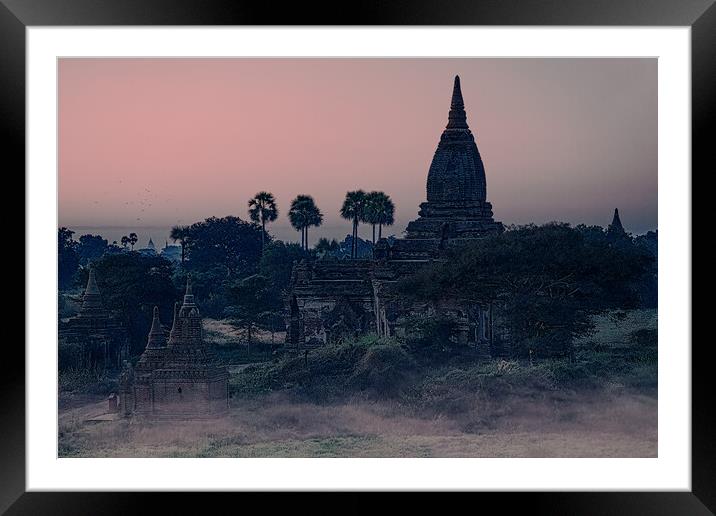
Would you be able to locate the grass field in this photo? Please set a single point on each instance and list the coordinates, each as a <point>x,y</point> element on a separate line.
<point>370,400</point>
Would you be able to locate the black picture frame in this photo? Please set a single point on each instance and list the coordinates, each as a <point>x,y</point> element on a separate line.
<point>16,15</point>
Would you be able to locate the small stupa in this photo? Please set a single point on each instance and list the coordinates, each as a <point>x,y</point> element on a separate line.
<point>99,334</point>
<point>178,377</point>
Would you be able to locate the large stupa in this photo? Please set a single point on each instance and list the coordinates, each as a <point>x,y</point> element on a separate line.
<point>456,204</point>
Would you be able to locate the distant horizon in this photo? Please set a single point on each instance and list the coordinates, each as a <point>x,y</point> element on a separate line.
<point>152,143</point>
<point>159,233</point>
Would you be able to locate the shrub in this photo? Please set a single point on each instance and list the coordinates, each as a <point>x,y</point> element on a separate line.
<point>575,374</point>
<point>431,338</point>
<point>445,378</point>
<point>89,381</point>
<point>368,363</point>
<point>382,368</point>
<point>70,355</point>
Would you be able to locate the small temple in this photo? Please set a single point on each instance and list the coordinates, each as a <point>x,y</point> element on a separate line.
<point>177,375</point>
<point>331,299</point>
<point>99,336</point>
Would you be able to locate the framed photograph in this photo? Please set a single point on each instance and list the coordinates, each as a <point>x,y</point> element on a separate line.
<point>402,248</point>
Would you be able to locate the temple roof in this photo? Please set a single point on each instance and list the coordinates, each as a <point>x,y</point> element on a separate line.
<point>456,172</point>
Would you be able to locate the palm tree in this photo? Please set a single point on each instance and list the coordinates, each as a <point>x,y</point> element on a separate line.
<point>297,217</point>
<point>263,209</point>
<point>180,233</point>
<point>133,238</point>
<point>303,214</point>
<point>125,241</point>
<point>353,209</point>
<point>315,218</point>
<point>380,211</point>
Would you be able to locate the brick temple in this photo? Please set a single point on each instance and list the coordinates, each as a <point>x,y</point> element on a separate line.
<point>329,299</point>
<point>178,375</point>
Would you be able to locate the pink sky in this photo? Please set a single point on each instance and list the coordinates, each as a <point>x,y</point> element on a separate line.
<point>156,142</point>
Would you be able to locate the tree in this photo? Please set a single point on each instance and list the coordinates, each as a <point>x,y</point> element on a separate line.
<point>324,247</point>
<point>180,234</point>
<point>276,266</point>
<point>315,218</point>
<point>229,243</point>
<point>133,238</point>
<point>90,248</point>
<point>649,243</point>
<point>353,209</point>
<point>303,214</point>
<point>217,251</point>
<point>251,301</point>
<point>380,211</point>
<point>125,241</point>
<point>545,280</point>
<point>263,209</point>
<point>113,248</point>
<point>297,217</point>
<point>277,263</point>
<point>67,258</point>
<point>131,285</point>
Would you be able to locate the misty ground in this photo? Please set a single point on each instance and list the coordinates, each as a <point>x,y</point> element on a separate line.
<point>622,426</point>
<point>508,416</point>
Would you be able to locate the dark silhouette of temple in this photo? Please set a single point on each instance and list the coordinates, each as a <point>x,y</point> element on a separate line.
<point>329,299</point>
<point>98,335</point>
<point>178,375</point>
<point>456,204</point>
<point>615,229</point>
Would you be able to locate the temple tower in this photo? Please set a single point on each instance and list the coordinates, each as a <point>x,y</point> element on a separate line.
<point>615,231</point>
<point>186,331</point>
<point>456,173</point>
<point>97,331</point>
<point>154,354</point>
<point>456,204</point>
<point>92,299</point>
<point>157,337</point>
<point>616,225</point>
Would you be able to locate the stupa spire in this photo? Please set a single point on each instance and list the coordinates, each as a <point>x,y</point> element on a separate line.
<point>457,118</point>
<point>188,294</point>
<point>175,328</point>
<point>91,300</point>
<point>156,338</point>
